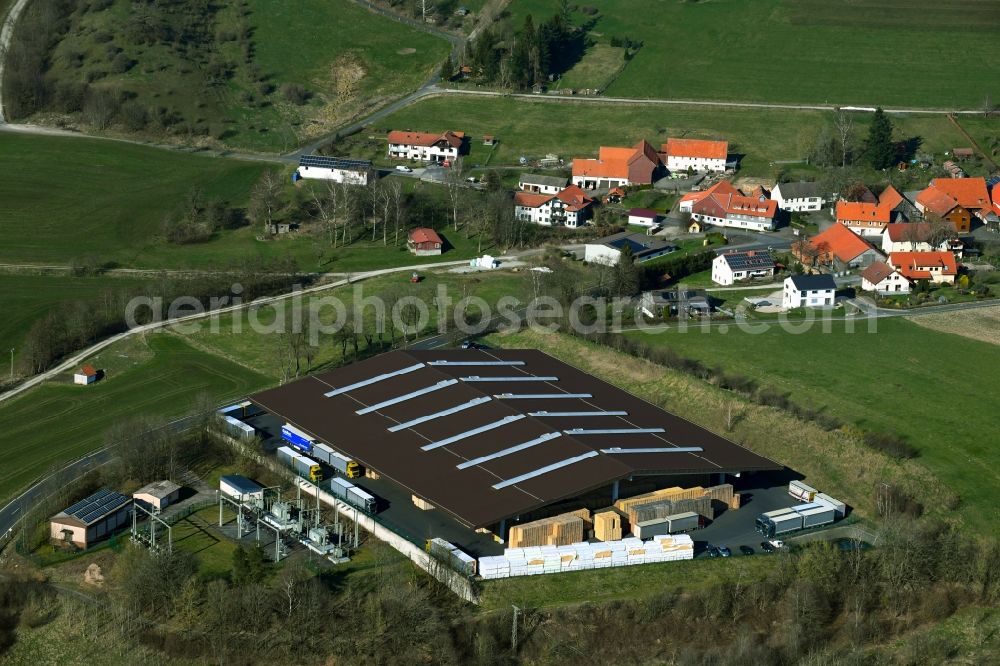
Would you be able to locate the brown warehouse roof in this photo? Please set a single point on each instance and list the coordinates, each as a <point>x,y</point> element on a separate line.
<point>489,434</point>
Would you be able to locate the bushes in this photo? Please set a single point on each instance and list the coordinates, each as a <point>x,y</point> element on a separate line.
<point>891,445</point>
<point>294,93</point>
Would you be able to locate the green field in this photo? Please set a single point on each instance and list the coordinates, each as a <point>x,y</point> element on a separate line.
<point>59,421</point>
<point>526,127</point>
<point>933,389</point>
<point>595,70</point>
<point>224,82</point>
<point>26,298</point>
<point>919,53</point>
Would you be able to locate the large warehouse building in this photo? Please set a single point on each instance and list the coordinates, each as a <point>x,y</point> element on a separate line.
<point>493,436</point>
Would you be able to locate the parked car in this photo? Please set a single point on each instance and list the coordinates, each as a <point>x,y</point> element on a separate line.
<point>724,551</point>
<point>404,168</point>
<point>746,550</point>
<point>471,179</point>
<point>712,551</point>
<point>766,547</point>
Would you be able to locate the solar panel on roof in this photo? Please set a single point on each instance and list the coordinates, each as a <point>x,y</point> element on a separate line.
<point>75,507</point>
<point>324,162</point>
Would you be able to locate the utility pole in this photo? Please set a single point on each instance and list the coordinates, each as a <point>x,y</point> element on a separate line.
<point>11,365</point>
<point>513,629</point>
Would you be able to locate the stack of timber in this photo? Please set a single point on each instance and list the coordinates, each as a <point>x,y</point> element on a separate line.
<point>663,508</point>
<point>560,530</point>
<point>722,493</point>
<point>608,526</point>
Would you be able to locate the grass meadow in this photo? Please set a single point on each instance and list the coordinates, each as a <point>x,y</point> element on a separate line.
<point>917,53</point>
<point>59,421</point>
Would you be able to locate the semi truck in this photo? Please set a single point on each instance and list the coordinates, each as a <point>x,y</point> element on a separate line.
<point>337,461</point>
<point>680,522</point>
<point>352,494</point>
<point>299,439</point>
<point>302,465</point>
<point>803,516</point>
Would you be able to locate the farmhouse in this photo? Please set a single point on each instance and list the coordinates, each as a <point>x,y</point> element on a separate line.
<point>837,247</point>
<point>86,375</point>
<point>808,291</point>
<point>915,237</point>
<point>798,197</point>
<point>424,242</point>
<point>158,495</point>
<point>937,267</point>
<point>956,200</point>
<point>695,154</point>
<point>90,519</point>
<point>337,169</point>
<point>722,205</point>
<point>730,267</point>
<point>530,182</point>
<point>570,207</point>
<point>643,217</point>
<point>608,250</point>
<point>865,219</point>
<point>882,278</point>
<point>617,167</point>
<point>425,147</point>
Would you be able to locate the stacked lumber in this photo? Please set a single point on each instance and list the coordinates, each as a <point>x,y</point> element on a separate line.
<point>702,498</point>
<point>608,526</point>
<point>663,508</point>
<point>421,503</point>
<point>560,530</point>
<point>722,493</point>
<point>372,474</point>
<point>735,503</point>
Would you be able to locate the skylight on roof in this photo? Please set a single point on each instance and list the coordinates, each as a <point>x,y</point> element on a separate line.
<point>436,415</point>
<point>469,433</point>
<point>509,450</point>
<point>373,380</point>
<point>403,398</point>
<point>544,470</point>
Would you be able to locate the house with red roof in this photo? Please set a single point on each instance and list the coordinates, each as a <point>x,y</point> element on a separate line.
<point>617,167</point>
<point>868,218</point>
<point>837,247</point>
<point>882,278</point>
<point>917,237</point>
<point>956,200</point>
<point>425,147</point>
<point>571,207</point>
<point>937,267</point>
<point>695,154</point>
<point>425,242</point>
<point>88,374</point>
<point>722,205</point>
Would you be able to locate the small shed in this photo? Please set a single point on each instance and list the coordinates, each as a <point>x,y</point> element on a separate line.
<point>615,196</point>
<point>157,495</point>
<point>643,217</point>
<point>962,153</point>
<point>241,488</point>
<point>425,242</point>
<point>489,140</point>
<point>91,519</point>
<point>86,375</point>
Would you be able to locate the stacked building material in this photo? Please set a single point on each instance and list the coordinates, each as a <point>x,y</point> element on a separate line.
<point>421,503</point>
<point>722,493</point>
<point>560,530</point>
<point>578,556</point>
<point>663,508</point>
<point>608,526</point>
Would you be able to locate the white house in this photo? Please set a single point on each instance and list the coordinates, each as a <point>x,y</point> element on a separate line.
<point>85,375</point>
<point>337,169</point>
<point>798,197</point>
<point>730,267</point>
<point>539,184</point>
<point>608,250</point>
<point>425,147</point>
<point>910,237</point>
<point>882,278</point>
<point>695,154</point>
<point>936,267</point>
<point>643,217</point>
<point>808,291</point>
<point>570,207</point>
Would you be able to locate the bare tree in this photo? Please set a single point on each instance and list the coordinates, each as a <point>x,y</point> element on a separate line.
<point>396,192</point>
<point>265,200</point>
<point>455,187</point>
<point>988,106</point>
<point>844,123</point>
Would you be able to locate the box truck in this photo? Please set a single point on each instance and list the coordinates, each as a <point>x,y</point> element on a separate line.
<point>839,507</point>
<point>350,493</point>
<point>299,439</point>
<point>302,465</point>
<point>801,491</point>
<point>337,461</point>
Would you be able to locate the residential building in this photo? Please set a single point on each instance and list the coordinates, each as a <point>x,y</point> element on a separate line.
<point>901,208</point>
<point>956,200</point>
<point>799,197</point>
<point>608,250</point>
<point>837,247</point>
<point>674,302</point>
<point>808,291</point>
<point>912,237</point>
<point>937,267</point>
<point>695,154</point>
<point>158,495</point>
<point>722,205</point>
<point>734,266</point>
<point>882,278</point>
<point>643,217</point>
<point>865,219</point>
<point>617,167</point>
<point>426,147</point>
<point>88,374</point>
<point>539,184</point>
<point>570,207</point>
<point>337,169</point>
<point>424,242</point>
<point>91,519</point>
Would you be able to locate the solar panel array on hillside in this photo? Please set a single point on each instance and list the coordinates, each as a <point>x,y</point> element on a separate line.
<point>97,505</point>
<point>324,162</point>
